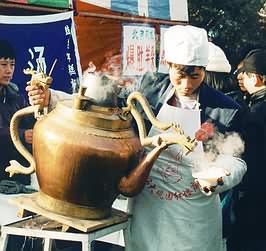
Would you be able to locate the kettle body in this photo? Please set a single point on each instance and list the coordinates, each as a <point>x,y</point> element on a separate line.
<point>85,155</point>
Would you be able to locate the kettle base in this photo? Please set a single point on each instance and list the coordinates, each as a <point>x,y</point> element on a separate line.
<point>71,210</point>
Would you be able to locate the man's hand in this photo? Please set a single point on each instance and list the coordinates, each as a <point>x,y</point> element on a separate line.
<point>38,95</point>
<point>28,136</point>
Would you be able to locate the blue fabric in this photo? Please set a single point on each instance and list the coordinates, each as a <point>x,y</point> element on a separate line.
<point>156,8</point>
<point>130,6</point>
<point>159,9</point>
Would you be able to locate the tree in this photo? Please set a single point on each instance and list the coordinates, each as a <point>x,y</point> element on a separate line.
<point>262,11</point>
<point>234,25</point>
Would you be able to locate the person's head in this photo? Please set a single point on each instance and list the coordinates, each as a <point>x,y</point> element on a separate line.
<point>218,70</point>
<point>7,62</point>
<point>186,52</point>
<point>112,65</point>
<point>251,72</point>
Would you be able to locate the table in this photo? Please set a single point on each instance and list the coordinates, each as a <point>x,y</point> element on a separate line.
<point>50,226</point>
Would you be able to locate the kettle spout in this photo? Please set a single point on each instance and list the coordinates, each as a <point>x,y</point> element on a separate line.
<point>134,182</point>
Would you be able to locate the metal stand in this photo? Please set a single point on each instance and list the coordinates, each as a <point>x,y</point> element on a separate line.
<point>57,227</point>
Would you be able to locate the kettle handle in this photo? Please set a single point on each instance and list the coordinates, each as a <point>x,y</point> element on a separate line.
<point>176,136</point>
<point>15,167</point>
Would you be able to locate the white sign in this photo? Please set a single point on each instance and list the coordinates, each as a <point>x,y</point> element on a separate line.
<point>138,50</point>
<point>162,62</point>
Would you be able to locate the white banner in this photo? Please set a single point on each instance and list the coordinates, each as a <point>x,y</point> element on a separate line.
<point>138,50</point>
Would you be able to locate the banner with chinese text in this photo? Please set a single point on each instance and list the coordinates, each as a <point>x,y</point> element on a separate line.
<point>138,49</point>
<point>39,41</point>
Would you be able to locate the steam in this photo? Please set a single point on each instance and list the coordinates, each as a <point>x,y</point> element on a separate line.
<point>100,88</point>
<point>137,84</point>
<point>218,150</point>
<point>104,87</point>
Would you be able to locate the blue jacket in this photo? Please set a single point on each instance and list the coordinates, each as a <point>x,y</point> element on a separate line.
<point>10,102</point>
<point>215,106</point>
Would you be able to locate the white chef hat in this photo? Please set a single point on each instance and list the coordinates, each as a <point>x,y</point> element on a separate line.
<point>186,45</point>
<point>217,59</point>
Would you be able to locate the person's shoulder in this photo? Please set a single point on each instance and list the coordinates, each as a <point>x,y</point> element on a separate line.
<point>154,80</point>
<point>216,98</point>
<point>13,87</point>
<point>14,96</point>
<point>152,85</point>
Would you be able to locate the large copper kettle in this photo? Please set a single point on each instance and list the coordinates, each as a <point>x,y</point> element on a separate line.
<point>85,155</point>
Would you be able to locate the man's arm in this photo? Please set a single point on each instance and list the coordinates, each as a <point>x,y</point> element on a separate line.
<point>46,97</point>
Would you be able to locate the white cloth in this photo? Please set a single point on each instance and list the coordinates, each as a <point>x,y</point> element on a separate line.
<point>186,45</point>
<point>217,61</point>
<point>56,96</point>
<point>8,211</point>
<point>171,213</point>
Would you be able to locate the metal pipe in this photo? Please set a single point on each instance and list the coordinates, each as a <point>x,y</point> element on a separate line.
<point>129,18</point>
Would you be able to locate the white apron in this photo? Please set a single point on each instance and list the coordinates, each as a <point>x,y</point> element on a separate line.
<point>171,213</point>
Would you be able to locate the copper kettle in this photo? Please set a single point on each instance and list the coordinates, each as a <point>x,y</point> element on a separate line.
<point>85,155</point>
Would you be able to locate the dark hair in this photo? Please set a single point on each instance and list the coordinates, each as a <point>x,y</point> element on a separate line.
<point>254,62</point>
<point>185,69</point>
<point>7,50</point>
<point>221,81</point>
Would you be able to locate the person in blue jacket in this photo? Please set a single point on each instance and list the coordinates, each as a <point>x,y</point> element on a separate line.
<point>177,215</point>
<point>10,102</point>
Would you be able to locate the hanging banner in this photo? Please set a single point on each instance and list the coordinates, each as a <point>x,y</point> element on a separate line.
<point>162,67</point>
<point>162,9</point>
<point>39,41</point>
<point>138,49</point>
<point>50,3</point>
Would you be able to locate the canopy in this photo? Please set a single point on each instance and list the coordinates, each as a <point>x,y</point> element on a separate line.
<point>160,9</point>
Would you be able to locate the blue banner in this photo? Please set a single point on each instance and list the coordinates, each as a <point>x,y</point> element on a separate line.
<point>39,41</point>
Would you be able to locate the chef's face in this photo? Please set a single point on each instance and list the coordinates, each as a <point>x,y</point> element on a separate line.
<point>186,79</point>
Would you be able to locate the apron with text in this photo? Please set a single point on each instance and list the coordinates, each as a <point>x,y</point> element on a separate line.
<point>171,213</point>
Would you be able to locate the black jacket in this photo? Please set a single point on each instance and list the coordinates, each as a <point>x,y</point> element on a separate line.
<point>252,207</point>
<point>10,102</point>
